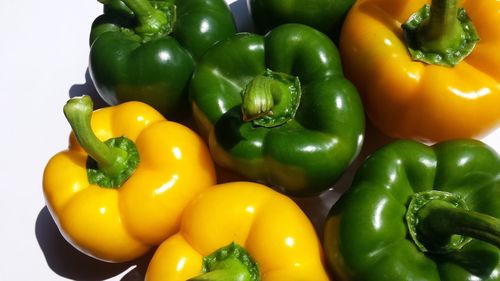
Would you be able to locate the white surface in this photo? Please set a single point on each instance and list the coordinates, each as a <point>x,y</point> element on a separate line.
<point>44,53</point>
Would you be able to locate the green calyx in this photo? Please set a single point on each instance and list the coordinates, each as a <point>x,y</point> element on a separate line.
<point>229,263</point>
<point>110,163</point>
<point>440,34</point>
<point>154,18</point>
<point>271,99</point>
<point>440,222</point>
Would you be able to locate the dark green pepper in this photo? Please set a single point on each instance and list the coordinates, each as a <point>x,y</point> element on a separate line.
<point>146,50</point>
<point>417,212</point>
<point>326,16</point>
<point>278,110</point>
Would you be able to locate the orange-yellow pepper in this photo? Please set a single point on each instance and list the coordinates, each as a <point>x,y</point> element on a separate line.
<point>406,98</point>
<point>272,229</point>
<point>120,223</point>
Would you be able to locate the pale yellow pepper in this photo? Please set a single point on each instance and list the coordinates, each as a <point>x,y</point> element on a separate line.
<point>121,223</point>
<point>272,229</point>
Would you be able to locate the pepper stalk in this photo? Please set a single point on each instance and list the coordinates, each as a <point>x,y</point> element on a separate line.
<point>271,99</point>
<point>152,20</point>
<point>440,34</point>
<point>112,162</point>
<point>440,222</point>
<point>229,263</point>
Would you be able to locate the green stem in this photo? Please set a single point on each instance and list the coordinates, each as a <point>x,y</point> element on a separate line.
<point>439,219</point>
<point>443,30</point>
<point>271,99</point>
<point>229,263</point>
<point>112,161</point>
<point>151,20</point>
<point>440,34</point>
<point>230,269</point>
<point>259,96</point>
<point>444,224</point>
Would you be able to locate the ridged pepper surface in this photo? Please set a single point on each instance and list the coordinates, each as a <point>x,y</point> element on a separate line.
<point>123,183</point>
<point>278,110</point>
<point>326,16</point>
<point>146,51</point>
<point>438,78</point>
<point>240,231</point>
<point>417,212</point>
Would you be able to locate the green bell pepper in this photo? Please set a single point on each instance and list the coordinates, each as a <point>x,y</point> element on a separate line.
<point>278,110</point>
<point>146,50</point>
<point>417,212</point>
<point>326,16</point>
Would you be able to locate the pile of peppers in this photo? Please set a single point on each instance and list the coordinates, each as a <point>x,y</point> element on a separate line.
<point>282,110</point>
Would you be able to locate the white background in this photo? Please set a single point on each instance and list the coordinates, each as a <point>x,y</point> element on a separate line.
<point>44,52</point>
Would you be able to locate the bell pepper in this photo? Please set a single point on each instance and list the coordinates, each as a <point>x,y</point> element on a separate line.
<point>146,51</point>
<point>240,231</point>
<point>420,69</point>
<point>121,186</point>
<point>278,110</point>
<point>418,212</point>
<point>326,16</point>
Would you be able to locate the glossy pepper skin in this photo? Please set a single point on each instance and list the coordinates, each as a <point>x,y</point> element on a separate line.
<point>306,152</point>
<point>411,99</point>
<point>326,16</point>
<point>122,223</point>
<point>367,234</point>
<point>270,226</point>
<point>146,50</point>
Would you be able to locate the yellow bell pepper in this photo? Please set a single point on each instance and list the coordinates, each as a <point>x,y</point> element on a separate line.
<point>272,231</point>
<point>114,200</point>
<point>408,98</point>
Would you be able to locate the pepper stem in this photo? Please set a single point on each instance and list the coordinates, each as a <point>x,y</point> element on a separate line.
<point>440,222</point>
<point>229,263</point>
<point>271,99</point>
<point>443,30</point>
<point>150,19</point>
<point>78,112</point>
<point>440,33</point>
<point>116,159</point>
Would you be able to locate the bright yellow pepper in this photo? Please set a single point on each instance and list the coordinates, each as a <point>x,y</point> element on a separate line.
<point>406,98</point>
<point>273,230</point>
<point>121,222</point>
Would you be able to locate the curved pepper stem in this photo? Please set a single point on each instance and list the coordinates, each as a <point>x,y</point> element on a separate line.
<point>440,222</point>
<point>229,263</point>
<point>271,99</point>
<point>115,159</point>
<point>151,20</point>
<point>440,34</point>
